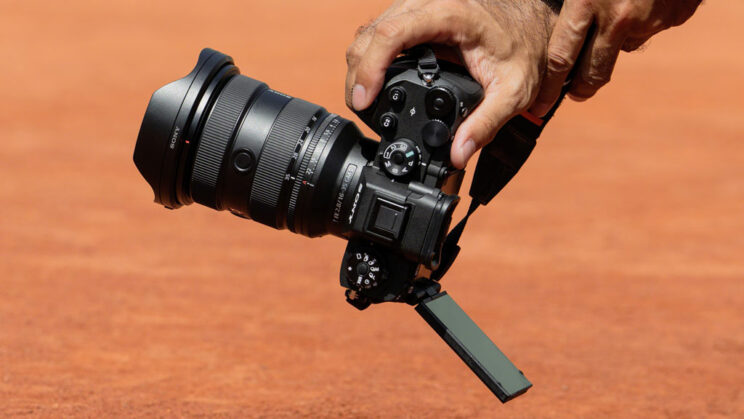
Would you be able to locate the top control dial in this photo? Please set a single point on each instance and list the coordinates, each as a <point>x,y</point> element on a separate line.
<point>400,157</point>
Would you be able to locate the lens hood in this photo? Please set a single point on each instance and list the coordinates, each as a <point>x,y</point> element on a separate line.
<point>172,118</point>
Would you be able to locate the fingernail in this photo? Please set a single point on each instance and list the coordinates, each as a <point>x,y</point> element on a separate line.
<point>467,149</point>
<point>359,97</point>
<point>539,109</point>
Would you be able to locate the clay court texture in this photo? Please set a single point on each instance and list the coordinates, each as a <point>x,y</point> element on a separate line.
<point>611,270</point>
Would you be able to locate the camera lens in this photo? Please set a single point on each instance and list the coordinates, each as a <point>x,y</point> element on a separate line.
<point>230,142</point>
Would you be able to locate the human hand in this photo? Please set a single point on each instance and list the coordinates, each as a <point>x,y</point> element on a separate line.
<point>619,25</point>
<point>503,45</point>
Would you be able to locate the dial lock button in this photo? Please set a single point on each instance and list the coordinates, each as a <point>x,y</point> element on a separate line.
<point>400,157</point>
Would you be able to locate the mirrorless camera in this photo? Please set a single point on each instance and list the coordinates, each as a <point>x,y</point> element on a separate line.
<point>229,142</point>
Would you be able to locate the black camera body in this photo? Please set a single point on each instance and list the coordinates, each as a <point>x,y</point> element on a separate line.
<point>406,196</point>
<point>229,142</point>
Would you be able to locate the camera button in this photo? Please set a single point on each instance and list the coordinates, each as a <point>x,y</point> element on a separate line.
<point>439,103</point>
<point>397,96</point>
<point>388,123</point>
<point>243,161</point>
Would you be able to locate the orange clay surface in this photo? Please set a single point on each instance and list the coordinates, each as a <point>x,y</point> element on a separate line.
<point>611,270</point>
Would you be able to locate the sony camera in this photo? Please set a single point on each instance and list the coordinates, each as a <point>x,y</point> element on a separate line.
<point>229,142</point>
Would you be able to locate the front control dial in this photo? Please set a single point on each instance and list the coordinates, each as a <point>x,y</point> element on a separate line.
<point>400,157</point>
<point>363,270</point>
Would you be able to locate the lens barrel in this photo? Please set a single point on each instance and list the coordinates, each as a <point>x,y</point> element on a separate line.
<point>230,142</point>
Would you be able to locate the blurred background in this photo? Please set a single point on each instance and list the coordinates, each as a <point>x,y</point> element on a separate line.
<point>611,270</point>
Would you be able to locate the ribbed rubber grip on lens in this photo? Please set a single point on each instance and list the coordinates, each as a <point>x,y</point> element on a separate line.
<point>275,158</point>
<point>216,135</point>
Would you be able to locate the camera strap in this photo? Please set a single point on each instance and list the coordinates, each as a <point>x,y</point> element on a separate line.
<point>499,161</point>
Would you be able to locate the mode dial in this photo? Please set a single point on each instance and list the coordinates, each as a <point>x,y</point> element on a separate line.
<point>400,157</point>
<point>363,270</point>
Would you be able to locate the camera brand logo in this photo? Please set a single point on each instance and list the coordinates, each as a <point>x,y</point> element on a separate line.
<point>174,138</point>
<point>356,201</point>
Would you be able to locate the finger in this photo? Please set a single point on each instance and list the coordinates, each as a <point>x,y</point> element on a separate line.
<point>635,43</point>
<point>596,65</point>
<point>398,32</point>
<point>569,35</point>
<point>359,46</point>
<point>353,54</point>
<point>448,53</point>
<point>502,101</point>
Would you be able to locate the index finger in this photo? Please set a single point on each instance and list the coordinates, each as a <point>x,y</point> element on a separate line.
<point>398,32</point>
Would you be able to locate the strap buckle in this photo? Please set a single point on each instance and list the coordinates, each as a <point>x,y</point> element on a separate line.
<point>428,67</point>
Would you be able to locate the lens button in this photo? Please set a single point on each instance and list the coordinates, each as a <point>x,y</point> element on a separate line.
<point>244,161</point>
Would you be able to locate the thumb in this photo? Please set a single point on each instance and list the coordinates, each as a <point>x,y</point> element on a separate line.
<point>481,126</point>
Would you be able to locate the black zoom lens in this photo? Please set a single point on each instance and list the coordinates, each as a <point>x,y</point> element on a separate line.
<point>229,142</point>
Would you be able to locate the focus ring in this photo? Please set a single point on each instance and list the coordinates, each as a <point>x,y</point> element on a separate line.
<point>300,176</point>
<point>275,158</point>
<point>215,137</point>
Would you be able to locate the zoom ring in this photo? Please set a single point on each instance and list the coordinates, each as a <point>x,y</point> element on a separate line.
<point>275,158</point>
<point>217,134</point>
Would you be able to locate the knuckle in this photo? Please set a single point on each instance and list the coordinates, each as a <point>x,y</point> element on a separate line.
<point>577,27</point>
<point>621,25</point>
<point>455,7</point>
<point>389,30</point>
<point>361,30</point>
<point>353,54</point>
<point>559,62</point>
<point>625,11</point>
<point>522,98</point>
<point>520,92</point>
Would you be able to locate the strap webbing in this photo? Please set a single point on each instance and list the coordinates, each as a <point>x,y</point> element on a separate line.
<point>499,161</point>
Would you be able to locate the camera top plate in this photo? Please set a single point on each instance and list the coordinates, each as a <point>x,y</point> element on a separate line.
<point>417,113</point>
